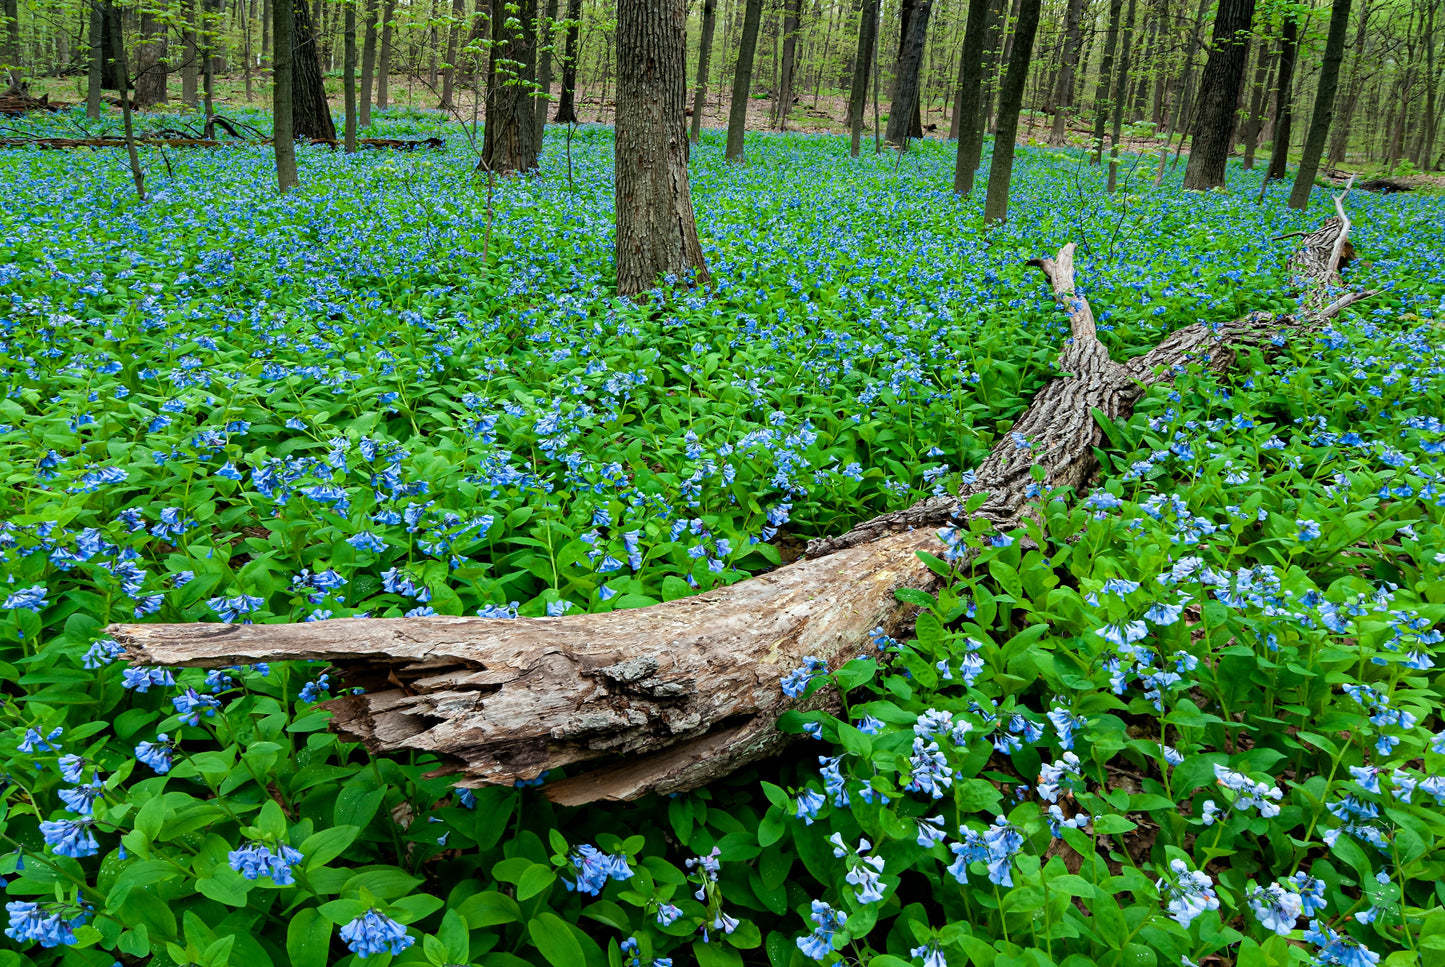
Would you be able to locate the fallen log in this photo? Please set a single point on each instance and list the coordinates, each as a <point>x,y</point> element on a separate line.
<point>19,102</point>
<point>669,697</point>
<point>61,144</point>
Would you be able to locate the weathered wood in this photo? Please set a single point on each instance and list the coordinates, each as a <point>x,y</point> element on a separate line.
<point>669,697</point>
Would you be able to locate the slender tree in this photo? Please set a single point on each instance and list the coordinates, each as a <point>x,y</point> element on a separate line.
<point>1283,97</point>
<point>348,75</point>
<point>743,80</point>
<point>1064,87</point>
<point>968,109</point>
<point>449,69</point>
<point>783,95</point>
<point>1219,95</point>
<point>862,61</point>
<point>1121,87</point>
<point>190,58</point>
<point>704,63</point>
<point>1011,99</point>
<point>544,69</point>
<point>509,143</point>
<point>383,56</point>
<point>282,29</point>
<point>1102,105</point>
<point>10,53</point>
<point>566,110</point>
<point>1324,111</point>
<point>656,231</point>
<point>906,95</point>
<point>368,63</point>
<point>95,79</point>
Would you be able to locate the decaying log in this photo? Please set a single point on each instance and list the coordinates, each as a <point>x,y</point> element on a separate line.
<point>669,697</point>
<point>59,144</point>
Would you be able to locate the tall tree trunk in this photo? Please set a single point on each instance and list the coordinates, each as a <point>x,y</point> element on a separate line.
<point>368,64</point>
<point>97,62</point>
<point>993,39</point>
<point>969,107</point>
<point>1184,110</point>
<point>191,57</point>
<point>449,69</point>
<point>1106,77</point>
<point>1340,143</point>
<point>1064,89</point>
<point>348,76</point>
<point>312,115</point>
<point>1254,123</point>
<point>743,80</point>
<point>510,143</point>
<point>1121,89</point>
<point>267,20</point>
<point>906,94</point>
<point>1324,111</point>
<point>783,96</point>
<point>1219,96</point>
<point>566,110</point>
<point>209,27</point>
<point>283,101</point>
<point>862,61</point>
<point>1011,98</point>
<point>656,232</point>
<point>704,63</point>
<point>383,60</point>
<point>544,69</point>
<point>1283,99</point>
<point>10,55</point>
<point>150,81</point>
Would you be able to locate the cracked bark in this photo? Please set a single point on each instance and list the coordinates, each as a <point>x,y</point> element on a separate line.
<point>670,697</point>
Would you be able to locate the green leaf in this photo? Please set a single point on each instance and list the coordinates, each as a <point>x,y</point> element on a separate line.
<point>553,939</point>
<point>308,939</point>
<point>356,805</point>
<point>323,847</point>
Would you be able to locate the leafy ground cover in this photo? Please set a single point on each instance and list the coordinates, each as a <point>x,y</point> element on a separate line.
<point>1196,721</point>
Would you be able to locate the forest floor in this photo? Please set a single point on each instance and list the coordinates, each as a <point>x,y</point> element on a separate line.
<point>823,111</point>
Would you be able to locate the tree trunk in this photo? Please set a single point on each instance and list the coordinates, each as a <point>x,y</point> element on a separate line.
<point>1340,144</point>
<point>656,232</point>
<point>368,64</point>
<point>97,62</point>
<point>10,55</point>
<point>783,96</point>
<point>283,100</point>
<point>510,142</point>
<point>383,58</point>
<point>969,107</point>
<point>150,81</point>
<point>1064,89</point>
<point>348,76</point>
<point>112,78</point>
<point>209,27</point>
<point>1011,97</point>
<point>1212,137</point>
<point>117,39</point>
<point>1254,123</point>
<point>1121,89</point>
<point>1283,98</point>
<point>191,57</point>
<point>1183,111</point>
<point>311,114</point>
<point>862,62</point>
<point>1324,111</point>
<point>670,697</point>
<point>1106,77</point>
<point>449,69</point>
<point>267,19</point>
<point>704,63</point>
<point>743,81</point>
<point>566,110</point>
<point>544,70</point>
<point>906,94</point>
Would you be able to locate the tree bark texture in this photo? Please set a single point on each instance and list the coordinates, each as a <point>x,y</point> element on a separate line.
<point>862,62</point>
<point>10,54</point>
<point>510,143</point>
<point>95,78</point>
<point>544,70</point>
<point>906,93</point>
<point>669,697</point>
<point>112,27</point>
<point>1121,88</point>
<point>150,80</point>
<point>191,56</point>
<point>968,109</point>
<point>1254,122</point>
<point>1324,111</point>
<point>1010,102</point>
<point>449,70</point>
<point>312,117</point>
<point>743,81</point>
<point>368,64</point>
<point>348,76</point>
<point>704,65</point>
<point>656,231</point>
<point>566,109</point>
<point>283,101</point>
<point>1283,99</point>
<point>1213,134</point>
<point>383,57</point>
<point>783,96</point>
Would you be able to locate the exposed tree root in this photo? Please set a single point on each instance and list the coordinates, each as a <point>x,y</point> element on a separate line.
<point>669,697</point>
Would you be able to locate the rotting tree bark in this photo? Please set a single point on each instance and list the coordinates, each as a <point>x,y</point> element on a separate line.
<point>656,230</point>
<point>670,697</point>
